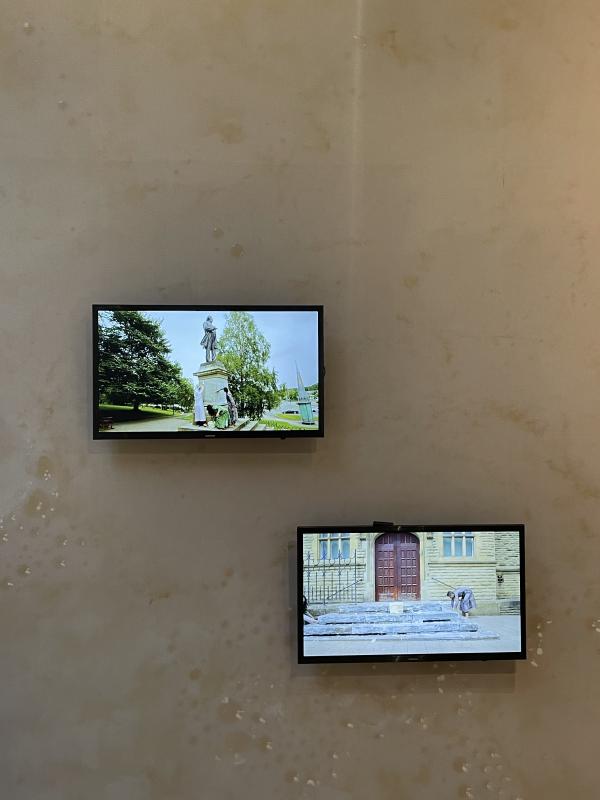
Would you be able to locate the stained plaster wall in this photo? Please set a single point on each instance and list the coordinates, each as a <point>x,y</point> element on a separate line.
<point>427,170</point>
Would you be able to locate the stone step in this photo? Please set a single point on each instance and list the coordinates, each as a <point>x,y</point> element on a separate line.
<point>395,628</point>
<point>409,606</point>
<point>249,425</point>
<point>374,616</point>
<point>238,425</point>
<point>426,606</point>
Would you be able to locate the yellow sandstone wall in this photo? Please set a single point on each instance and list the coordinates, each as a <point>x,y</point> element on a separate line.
<point>427,169</point>
<point>507,554</point>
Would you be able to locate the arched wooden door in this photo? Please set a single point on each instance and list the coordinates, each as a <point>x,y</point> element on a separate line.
<point>397,567</point>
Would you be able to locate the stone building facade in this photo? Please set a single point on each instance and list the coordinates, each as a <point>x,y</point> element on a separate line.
<point>366,567</point>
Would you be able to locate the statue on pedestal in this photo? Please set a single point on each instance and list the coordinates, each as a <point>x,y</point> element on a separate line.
<point>209,341</point>
<point>212,376</point>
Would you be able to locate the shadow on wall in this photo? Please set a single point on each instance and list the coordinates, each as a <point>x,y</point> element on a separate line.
<point>208,448</point>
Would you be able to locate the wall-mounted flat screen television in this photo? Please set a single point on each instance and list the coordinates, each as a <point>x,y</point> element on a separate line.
<point>411,593</point>
<point>207,371</point>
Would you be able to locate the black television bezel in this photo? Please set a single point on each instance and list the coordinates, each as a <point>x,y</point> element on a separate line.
<point>97,434</point>
<point>511,655</point>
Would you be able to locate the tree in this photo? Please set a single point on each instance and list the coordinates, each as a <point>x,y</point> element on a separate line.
<point>245,352</point>
<point>133,367</point>
<point>313,390</point>
<point>185,395</point>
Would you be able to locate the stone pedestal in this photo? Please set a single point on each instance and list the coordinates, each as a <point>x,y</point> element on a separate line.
<point>214,377</point>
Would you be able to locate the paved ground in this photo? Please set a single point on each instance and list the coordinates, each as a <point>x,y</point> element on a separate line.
<point>163,424</point>
<point>166,424</point>
<point>169,424</point>
<point>507,626</point>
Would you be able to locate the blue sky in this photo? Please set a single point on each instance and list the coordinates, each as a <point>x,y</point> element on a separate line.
<point>293,336</point>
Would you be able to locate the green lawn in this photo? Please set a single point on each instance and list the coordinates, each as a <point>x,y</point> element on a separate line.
<point>126,413</point>
<point>283,426</point>
<point>296,417</point>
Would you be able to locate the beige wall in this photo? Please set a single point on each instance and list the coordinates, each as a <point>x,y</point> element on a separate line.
<point>429,170</point>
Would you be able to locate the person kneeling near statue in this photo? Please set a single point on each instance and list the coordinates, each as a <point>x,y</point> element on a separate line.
<point>219,415</point>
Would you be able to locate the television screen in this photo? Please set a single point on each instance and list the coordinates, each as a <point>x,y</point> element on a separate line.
<point>207,371</point>
<point>406,593</point>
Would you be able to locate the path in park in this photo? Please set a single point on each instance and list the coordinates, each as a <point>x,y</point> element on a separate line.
<point>169,425</point>
<point>172,425</point>
<point>156,425</point>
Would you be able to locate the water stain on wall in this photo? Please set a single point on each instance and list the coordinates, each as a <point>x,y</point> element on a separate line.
<point>318,247</point>
<point>228,710</point>
<point>318,137</point>
<point>38,501</point>
<point>164,595</point>
<point>519,417</point>
<point>43,468</point>
<point>508,24</point>
<point>447,350</point>
<point>137,193</point>
<point>403,46</point>
<point>228,128</point>
<point>573,472</point>
<point>585,529</point>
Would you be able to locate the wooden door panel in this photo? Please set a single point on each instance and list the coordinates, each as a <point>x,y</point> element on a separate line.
<point>386,568</point>
<point>397,574</point>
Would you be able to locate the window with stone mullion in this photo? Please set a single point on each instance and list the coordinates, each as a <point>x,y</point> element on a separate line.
<point>332,544</point>
<point>458,545</point>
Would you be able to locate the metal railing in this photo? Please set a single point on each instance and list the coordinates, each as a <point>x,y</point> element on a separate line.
<point>332,580</point>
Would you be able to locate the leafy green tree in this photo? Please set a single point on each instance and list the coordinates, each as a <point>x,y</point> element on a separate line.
<point>245,352</point>
<point>313,390</point>
<point>133,367</point>
<point>287,393</point>
<point>185,394</point>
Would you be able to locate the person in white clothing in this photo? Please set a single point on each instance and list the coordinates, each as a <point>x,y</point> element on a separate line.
<point>199,412</point>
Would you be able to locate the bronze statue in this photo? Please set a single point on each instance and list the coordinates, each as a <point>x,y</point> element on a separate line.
<point>209,341</point>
